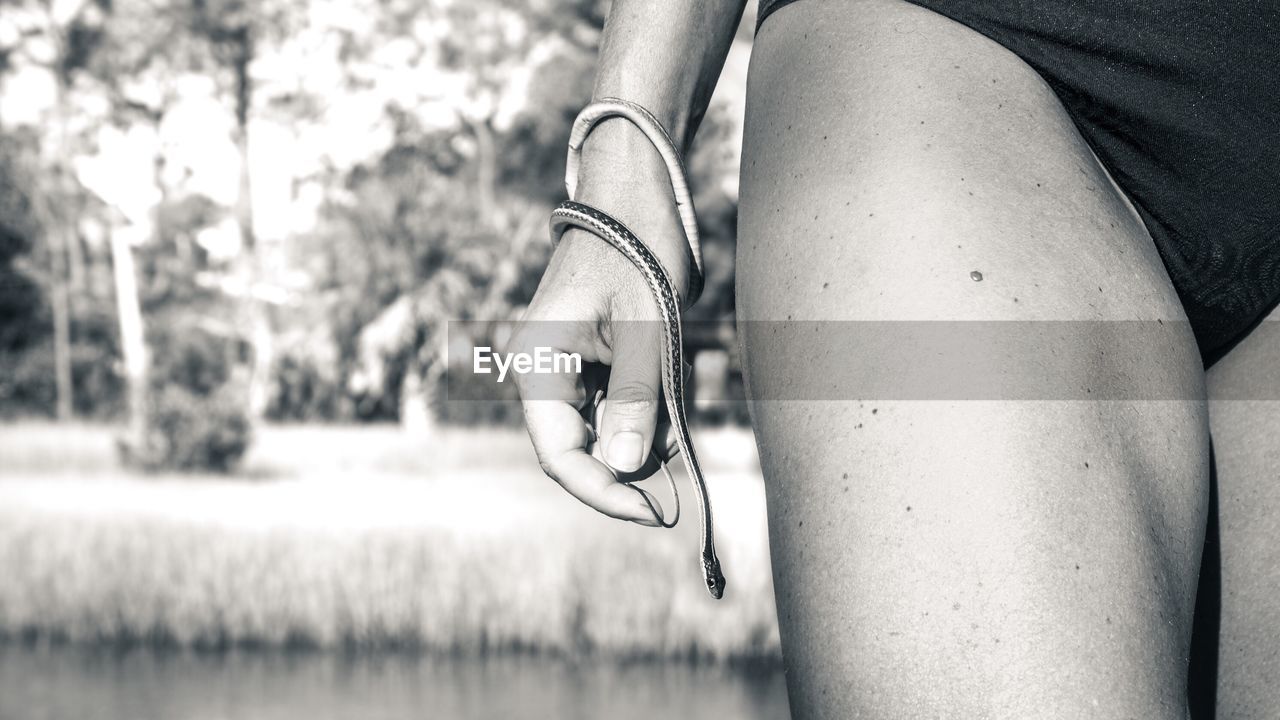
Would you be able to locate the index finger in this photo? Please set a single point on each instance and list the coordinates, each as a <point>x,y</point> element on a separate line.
<point>560,436</point>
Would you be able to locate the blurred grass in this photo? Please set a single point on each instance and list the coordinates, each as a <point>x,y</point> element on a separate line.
<point>367,538</point>
<point>46,448</point>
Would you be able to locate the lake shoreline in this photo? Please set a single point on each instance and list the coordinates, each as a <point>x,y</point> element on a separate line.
<point>140,684</point>
<point>458,558</point>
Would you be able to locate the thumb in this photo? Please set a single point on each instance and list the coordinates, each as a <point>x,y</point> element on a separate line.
<point>635,394</point>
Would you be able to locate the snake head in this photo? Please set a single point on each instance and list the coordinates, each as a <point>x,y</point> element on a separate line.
<point>715,579</point>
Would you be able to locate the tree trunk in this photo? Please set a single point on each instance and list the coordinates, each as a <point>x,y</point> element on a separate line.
<point>486,168</point>
<point>132,337</point>
<point>77,276</point>
<point>61,318</point>
<point>263,337</point>
<point>415,411</point>
<point>60,235</point>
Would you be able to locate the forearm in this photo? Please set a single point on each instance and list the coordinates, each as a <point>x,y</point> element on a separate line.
<point>666,56</point>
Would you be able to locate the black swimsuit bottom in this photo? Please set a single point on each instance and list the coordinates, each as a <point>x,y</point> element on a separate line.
<point>1180,100</point>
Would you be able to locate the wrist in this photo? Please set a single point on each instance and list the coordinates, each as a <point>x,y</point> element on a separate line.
<point>623,175</point>
<point>617,152</point>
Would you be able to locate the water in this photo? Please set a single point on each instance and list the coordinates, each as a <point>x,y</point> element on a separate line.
<point>63,682</point>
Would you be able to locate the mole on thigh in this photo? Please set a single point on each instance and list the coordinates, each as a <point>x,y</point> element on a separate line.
<point>942,556</point>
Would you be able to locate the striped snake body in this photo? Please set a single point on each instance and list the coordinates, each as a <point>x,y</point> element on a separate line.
<point>600,224</point>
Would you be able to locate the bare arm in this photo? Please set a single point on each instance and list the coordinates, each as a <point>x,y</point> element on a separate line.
<point>665,55</point>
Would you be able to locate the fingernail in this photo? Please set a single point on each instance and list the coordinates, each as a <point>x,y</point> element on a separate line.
<point>650,511</point>
<point>646,518</point>
<point>626,451</point>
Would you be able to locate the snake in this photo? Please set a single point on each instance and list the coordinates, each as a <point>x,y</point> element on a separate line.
<point>574,214</point>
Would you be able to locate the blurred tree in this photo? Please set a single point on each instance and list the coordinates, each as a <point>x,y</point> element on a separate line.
<point>440,225</point>
<point>117,69</point>
<point>24,321</point>
<point>382,167</point>
<point>234,31</point>
<point>48,39</point>
<point>136,62</point>
<point>73,34</point>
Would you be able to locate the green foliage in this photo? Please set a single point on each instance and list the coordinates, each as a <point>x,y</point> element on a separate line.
<point>301,390</point>
<point>501,406</point>
<point>27,355</point>
<point>23,314</point>
<point>196,416</point>
<point>447,218</point>
<point>193,360</point>
<point>26,385</point>
<point>187,431</point>
<point>26,382</point>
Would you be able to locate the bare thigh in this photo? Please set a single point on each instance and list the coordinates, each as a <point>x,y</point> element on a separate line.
<point>951,558</point>
<point>1244,411</point>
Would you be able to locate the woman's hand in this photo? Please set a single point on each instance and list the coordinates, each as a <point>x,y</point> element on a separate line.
<point>592,301</point>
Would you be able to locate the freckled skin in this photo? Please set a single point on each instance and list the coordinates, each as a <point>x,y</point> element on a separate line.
<point>966,563</point>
